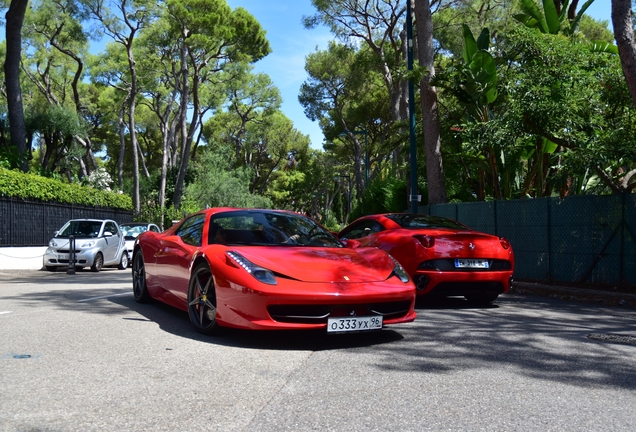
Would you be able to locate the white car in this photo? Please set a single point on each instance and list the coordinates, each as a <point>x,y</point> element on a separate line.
<point>98,243</point>
<point>132,230</point>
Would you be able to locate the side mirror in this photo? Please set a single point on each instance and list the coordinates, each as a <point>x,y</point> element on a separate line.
<point>108,234</point>
<point>351,244</point>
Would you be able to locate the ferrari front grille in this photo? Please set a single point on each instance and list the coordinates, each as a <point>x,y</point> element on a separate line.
<point>317,314</point>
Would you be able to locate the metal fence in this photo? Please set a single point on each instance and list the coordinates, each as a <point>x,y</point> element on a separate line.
<point>588,240</point>
<point>32,223</point>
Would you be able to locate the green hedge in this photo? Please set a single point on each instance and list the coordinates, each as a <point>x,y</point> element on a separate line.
<point>30,186</point>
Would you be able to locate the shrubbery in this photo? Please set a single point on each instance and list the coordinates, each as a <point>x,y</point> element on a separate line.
<point>31,186</point>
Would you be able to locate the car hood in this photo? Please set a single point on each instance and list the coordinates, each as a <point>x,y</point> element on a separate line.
<point>63,243</point>
<point>322,264</point>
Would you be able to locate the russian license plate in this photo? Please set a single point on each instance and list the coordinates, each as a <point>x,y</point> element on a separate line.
<point>471,263</point>
<point>62,257</point>
<point>348,324</point>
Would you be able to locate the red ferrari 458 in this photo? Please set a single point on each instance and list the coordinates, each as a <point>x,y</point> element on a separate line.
<point>269,269</point>
<point>444,257</point>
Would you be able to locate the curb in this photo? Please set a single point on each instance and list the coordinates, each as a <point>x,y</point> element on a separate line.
<point>582,295</point>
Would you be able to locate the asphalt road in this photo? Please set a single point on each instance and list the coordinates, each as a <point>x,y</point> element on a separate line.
<point>78,354</point>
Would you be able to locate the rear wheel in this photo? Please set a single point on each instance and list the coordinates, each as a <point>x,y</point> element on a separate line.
<point>98,263</point>
<point>123,263</point>
<point>202,300</point>
<point>482,298</point>
<point>140,291</point>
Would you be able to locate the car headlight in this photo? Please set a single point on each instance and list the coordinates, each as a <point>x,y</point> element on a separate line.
<point>52,244</point>
<point>88,244</point>
<point>261,274</point>
<point>399,271</point>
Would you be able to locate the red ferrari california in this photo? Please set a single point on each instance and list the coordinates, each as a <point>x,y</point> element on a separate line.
<point>267,270</point>
<point>444,257</point>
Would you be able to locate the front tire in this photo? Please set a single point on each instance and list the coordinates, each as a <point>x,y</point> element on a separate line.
<point>202,300</point>
<point>98,263</point>
<point>140,291</point>
<point>51,268</point>
<point>123,263</point>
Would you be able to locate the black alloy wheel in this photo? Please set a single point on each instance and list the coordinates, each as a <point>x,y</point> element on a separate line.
<point>202,300</point>
<point>140,291</point>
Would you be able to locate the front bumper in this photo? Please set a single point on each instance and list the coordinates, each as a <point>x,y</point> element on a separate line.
<point>296,305</point>
<point>60,257</point>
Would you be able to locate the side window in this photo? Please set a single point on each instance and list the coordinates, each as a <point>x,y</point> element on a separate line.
<point>191,230</point>
<point>362,229</point>
<point>154,228</point>
<point>111,228</point>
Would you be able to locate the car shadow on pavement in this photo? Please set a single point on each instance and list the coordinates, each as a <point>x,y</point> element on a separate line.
<point>109,292</point>
<point>450,303</point>
<point>177,323</point>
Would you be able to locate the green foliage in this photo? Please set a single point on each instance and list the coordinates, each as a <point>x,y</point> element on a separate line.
<point>549,20</point>
<point>10,158</point>
<point>31,186</point>
<point>382,196</point>
<point>217,185</point>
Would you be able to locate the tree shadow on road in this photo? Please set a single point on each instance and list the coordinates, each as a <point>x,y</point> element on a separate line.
<point>546,339</point>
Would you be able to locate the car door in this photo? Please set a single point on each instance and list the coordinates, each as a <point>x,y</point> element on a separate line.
<point>175,253</point>
<point>112,243</point>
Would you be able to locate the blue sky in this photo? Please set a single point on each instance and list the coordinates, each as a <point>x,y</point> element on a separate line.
<point>291,43</point>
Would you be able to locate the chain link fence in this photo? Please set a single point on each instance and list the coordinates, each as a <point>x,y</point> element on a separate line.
<point>32,223</point>
<point>589,240</point>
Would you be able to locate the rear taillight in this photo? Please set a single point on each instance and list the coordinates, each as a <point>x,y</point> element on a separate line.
<point>504,243</point>
<point>427,241</point>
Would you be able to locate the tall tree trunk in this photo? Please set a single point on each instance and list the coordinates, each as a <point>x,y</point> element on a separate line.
<point>185,144</point>
<point>122,145</point>
<point>131,126</point>
<point>428,96</point>
<point>14,20</point>
<point>624,35</point>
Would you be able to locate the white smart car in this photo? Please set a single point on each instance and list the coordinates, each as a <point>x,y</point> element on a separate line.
<point>98,243</point>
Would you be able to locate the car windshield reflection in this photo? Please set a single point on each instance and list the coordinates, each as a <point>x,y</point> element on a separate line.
<point>80,229</point>
<point>263,228</point>
<point>131,232</point>
<point>417,221</point>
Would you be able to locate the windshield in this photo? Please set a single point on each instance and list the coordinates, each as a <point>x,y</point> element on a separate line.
<point>80,229</point>
<point>415,221</point>
<point>131,232</point>
<point>261,227</point>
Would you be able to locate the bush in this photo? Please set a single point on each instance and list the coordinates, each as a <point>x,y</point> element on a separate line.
<point>30,186</point>
<point>382,196</point>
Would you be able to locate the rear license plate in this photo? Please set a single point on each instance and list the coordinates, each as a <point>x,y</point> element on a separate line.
<point>348,324</point>
<point>471,263</point>
<point>62,256</point>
